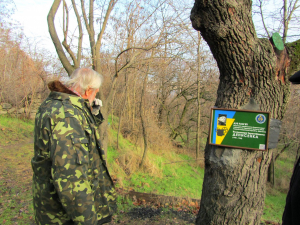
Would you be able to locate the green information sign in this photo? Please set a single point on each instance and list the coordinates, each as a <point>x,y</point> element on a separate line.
<point>239,129</point>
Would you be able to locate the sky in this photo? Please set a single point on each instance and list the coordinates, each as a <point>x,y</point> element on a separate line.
<point>32,16</point>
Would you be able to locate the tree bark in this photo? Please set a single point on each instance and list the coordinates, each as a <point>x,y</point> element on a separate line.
<point>235,180</point>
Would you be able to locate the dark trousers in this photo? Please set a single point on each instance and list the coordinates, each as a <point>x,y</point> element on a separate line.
<point>291,214</point>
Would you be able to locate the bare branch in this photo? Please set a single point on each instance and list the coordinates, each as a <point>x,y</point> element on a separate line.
<point>111,5</point>
<point>80,38</point>
<point>65,31</point>
<point>131,59</point>
<point>262,17</point>
<point>287,17</point>
<point>58,47</point>
<point>89,26</point>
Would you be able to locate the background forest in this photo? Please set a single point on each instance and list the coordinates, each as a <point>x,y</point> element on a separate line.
<point>160,81</point>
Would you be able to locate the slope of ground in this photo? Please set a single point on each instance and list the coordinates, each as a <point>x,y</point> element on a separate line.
<point>170,173</point>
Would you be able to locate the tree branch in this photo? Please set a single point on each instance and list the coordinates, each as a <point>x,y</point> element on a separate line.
<point>111,5</point>
<point>58,47</point>
<point>80,38</point>
<point>65,31</point>
<point>89,27</point>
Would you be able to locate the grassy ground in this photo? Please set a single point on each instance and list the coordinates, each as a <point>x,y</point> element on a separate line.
<point>172,173</point>
<point>168,173</point>
<point>276,196</point>
<point>15,171</point>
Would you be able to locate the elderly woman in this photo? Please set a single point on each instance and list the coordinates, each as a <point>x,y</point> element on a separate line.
<point>71,183</point>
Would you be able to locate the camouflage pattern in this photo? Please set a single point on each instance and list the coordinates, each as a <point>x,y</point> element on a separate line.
<point>71,183</point>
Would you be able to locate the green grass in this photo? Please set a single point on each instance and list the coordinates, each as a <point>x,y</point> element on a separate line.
<point>274,206</point>
<point>14,129</point>
<point>284,166</point>
<point>275,197</point>
<point>124,203</point>
<point>15,171</point>
<point>182,179</point>
<point>177,180</point>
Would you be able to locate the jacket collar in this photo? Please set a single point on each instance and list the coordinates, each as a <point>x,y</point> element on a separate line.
<point>60,92</point>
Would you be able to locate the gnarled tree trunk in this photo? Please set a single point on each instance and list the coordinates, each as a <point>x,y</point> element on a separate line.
<point>235,180</point>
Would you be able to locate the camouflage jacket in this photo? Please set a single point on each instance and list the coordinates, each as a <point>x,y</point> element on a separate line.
<point>71,183</point>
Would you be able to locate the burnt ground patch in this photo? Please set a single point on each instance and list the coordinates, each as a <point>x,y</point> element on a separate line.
<point>155,214</point>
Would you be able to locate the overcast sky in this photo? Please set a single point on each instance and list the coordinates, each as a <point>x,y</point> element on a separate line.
<point>32,15</point>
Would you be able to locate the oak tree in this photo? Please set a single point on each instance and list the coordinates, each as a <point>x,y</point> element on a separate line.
<point>250,68</point>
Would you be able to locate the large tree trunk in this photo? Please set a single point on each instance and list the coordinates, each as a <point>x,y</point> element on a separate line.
<point>233,187</point>
<point>235,180</point>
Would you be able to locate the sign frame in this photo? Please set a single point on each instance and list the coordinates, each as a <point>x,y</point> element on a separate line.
<point>214,132</point>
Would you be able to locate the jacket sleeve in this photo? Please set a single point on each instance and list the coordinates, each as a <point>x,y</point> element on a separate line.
<point>70,159</point>
<point>98,119</point>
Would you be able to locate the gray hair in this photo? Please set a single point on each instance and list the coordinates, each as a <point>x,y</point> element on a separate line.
<point>84,78</point>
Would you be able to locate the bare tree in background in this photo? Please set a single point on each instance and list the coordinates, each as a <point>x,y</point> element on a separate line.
<point>153,36</point>
<point>198,98</point>
<point>282,17</point>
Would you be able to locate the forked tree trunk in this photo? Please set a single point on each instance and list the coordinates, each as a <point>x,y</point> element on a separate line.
<point>235,180</point>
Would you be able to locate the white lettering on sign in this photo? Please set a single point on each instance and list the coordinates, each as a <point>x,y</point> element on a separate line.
<point>245,134</point>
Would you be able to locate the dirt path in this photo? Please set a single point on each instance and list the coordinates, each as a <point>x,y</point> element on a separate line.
<point>18,144</point>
